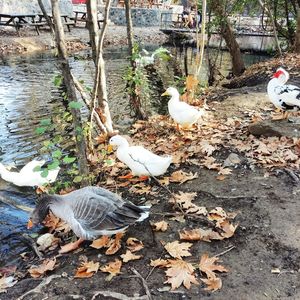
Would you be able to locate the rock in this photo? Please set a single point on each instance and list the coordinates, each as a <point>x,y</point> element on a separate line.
<point>275,128</point>
<point>232,160</point>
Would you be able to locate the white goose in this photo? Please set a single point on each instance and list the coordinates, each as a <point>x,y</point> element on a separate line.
<point>27,176</point>
<point>182,113</point>
<point>149,59</point>
<point>90,212</point>
<point>141,161</point>
<point>285,97</point>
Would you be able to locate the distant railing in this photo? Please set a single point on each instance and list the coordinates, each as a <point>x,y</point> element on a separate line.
<point>175,22</point>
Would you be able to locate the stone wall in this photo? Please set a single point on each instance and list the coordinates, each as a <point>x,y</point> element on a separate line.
<point>32,6</point>
<point>141,17</point>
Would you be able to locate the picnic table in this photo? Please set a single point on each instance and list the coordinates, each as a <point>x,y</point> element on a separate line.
<point>66,20</point>
<point>15,20</point>
<point>81,16</point>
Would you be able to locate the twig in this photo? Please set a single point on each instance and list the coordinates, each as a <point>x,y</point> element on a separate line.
<point>145,285</point>
<point>202,218</point>
<point>118,296</point>
<point>80,89</point>
<point>151,175</point>
<point>292,175</point>
<point>224,252</point>
<point>38,289</point>
<point>31,242</point>
<point>152,269</point>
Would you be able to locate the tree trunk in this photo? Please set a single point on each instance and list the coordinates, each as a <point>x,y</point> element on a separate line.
<point>100,89</point>
<point>263,6</point>
<point>48,20</point>
<point>297,37</point>
<point>238,66</point>
<point>92,19</point>
<point>134,97</point>
<point>71,92</point>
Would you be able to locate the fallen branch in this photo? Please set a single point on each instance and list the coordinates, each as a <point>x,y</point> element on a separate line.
<point>38,289</point>
<point>118,296</point>
<point>145,285</point>
<point>226,251</point>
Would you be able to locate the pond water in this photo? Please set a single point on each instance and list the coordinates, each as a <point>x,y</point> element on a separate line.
<point>27,95</point>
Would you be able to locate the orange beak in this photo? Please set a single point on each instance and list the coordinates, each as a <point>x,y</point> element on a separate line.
<point>29,224</point>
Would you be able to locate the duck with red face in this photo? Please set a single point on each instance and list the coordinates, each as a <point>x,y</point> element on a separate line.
<point>284,96</point>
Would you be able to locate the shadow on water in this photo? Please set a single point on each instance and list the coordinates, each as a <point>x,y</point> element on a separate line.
<point>28,95</point>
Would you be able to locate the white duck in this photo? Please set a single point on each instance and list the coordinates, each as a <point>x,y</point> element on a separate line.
<point>182,113</point>
<point>285,97</point>
<point>27,176</point>
<point>90,212</point>
<point>149,59</point>
<point>141,161</point>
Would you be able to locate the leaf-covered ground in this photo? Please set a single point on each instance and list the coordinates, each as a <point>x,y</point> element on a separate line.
<point>224,221</point>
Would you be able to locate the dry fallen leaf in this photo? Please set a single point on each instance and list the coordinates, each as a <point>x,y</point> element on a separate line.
<point>128,256</point>
<point>113,268</point>
<point>183,199</point>
<point>180,272</point>
<point>228,228</point>
<point>39,271</point>
<point>114,244</point>
<point>134,244</point>
<point>47,240</point>
<point>178,250</point>
<point>102,242</point>
<point>87,269</point>
<point>199,234</point>
<point>213,284</point>
<point>159,262</point>
<point>181,176</point>
<point>55,224</point>
<point>207,265</point>
<point>6,282</point>
<point>160,226</point>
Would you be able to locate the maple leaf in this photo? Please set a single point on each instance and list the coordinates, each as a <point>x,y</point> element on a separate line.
<point>6,282</point>
<point>178,250</point>
<point>87,269</point>
<point>47,240</point>
<point>198,210</point>
<point>213,284</point>
<point>262,148</point>
<point>183,199</point>
<point>207,265</point>
<point>134,244</point>
<point>114,244</point>
<point>225,171</point>
<point>159,262</point>
<point>55,224</point>
<point>128,256</point>
<point>102,242</point>
<point>228,228</point>
<point>181,176</point>
<point>191,82</point>
<point>160,226</point>
<point>209,163</point>
<point>206,148</point>
<point>200,235</point>
<point>39,271</point>
<point>217,214</point>
<point>180,272</point>
<point>113,268</point>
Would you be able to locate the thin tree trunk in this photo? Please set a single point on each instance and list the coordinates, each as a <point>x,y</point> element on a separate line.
<point>238,66</point>
<point>92,19</point>
<point>48,20</point>
<point>71,92</point>
<point>135,100</point>
<point>297,37</point>
<point>100,90</point>
<point>273,25</point>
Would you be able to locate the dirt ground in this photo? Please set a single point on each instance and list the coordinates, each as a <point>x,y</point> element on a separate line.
<point>77,39</point>
<point>263,256</point>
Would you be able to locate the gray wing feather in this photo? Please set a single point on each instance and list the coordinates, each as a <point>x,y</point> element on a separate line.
<point>97,209</point>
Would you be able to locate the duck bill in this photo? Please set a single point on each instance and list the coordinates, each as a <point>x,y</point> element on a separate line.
<point>29,224</point>
<point>165,94</point>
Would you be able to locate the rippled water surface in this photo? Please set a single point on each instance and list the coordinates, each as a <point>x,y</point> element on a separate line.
<point>27,95</point>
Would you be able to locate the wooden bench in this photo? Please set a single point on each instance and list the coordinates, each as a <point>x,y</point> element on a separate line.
<point>38,25</point>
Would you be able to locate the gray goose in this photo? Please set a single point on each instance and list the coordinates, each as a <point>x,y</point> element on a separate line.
<point>90,212</point>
